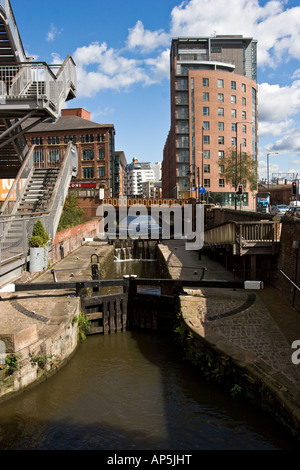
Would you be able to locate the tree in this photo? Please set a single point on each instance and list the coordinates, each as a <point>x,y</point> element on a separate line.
<point>242,168</point>
<point>72,214</point>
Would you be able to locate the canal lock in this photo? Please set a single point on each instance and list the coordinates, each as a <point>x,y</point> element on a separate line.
<point>121,303</point>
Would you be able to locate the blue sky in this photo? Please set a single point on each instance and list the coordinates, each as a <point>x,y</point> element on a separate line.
<point>121,49</point>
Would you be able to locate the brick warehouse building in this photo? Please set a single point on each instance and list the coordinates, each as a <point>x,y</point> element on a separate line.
<point>99,163</point>
<point>213,110</point>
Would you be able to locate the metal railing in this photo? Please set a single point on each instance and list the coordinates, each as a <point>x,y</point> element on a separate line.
<point>6,7</point>
<point>10,221</point>
<point>244,233</point>
<point>37,80</point>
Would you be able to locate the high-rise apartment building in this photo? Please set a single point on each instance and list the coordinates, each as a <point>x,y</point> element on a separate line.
<point>213,111</point>
<point>136,173</point>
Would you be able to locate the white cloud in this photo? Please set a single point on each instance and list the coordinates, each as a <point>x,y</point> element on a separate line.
<point>145,40</point>
<point>51,35</point>
<point>160,66</point>
<point>101,68</point>
<point>289,143</point>
<point>267,128</point>
<point>277,30</point>
<point>277,103</point>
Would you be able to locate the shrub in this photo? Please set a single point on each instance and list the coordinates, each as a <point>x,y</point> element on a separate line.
<point>39,235</point>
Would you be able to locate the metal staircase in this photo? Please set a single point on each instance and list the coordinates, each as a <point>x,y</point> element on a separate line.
<point>38,191</point>
<point>30,92</point>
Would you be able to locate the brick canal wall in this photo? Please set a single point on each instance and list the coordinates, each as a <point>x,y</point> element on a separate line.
<point>289,261</point>
<point>68,240</point>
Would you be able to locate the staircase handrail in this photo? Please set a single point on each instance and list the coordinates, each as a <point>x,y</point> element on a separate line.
<point>66,74</point>
<point>57,80</point>
<point>7,12</point>
<point>24,173</point>
<point>69,167</point>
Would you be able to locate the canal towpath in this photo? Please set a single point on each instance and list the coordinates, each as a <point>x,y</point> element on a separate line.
<point>256,328</point>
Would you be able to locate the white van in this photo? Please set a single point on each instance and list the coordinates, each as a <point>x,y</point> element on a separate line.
<point>294,203</point>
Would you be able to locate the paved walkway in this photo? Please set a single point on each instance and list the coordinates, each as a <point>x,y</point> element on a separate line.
<point>261,324</point>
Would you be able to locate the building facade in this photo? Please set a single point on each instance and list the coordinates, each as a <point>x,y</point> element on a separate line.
<point>213,111</point>
<point>136,173</point>
<point>98,163</point>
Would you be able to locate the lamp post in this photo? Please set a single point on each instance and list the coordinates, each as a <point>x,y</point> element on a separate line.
<point>268,154</point>
<point>189,173</point>
<point>236,146</point>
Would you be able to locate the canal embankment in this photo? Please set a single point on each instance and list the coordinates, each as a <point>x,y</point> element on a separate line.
<point>39,330</point>
<point>238,337</point>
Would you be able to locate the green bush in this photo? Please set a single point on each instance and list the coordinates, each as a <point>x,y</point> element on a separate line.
<point>39,235</point>
<point>36,241</point>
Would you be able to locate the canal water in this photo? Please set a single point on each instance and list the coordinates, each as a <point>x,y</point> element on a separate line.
<point>133,391</point>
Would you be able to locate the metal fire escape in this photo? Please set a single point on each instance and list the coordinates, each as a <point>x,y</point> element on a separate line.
<point>30,92</point>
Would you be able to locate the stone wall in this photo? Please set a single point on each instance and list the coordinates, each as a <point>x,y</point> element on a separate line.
<point>34,357</point>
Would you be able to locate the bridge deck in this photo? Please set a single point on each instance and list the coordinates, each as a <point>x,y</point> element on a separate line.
<point>259,237</point>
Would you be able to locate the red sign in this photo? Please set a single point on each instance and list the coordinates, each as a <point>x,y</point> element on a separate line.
<point>83,185</point>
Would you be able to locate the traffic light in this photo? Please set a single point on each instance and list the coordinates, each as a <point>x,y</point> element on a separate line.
<point>240,189</point>
<point>295,188</point>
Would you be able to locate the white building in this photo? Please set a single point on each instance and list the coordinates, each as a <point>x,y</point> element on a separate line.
<point>157,171</point>
<point>135,174</point>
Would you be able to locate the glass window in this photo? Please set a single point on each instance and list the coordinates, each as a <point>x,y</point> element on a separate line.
<point>243,114</point>
<point>243,87</point>
<point>233,141</point>
<point>206,154</point>
<point>244,128</point>
<point>233,127</point>
<point>221,126</point>
<point>101,171</point>
<point>221,153</point>
<point>220,111</point>
<point>220,83</point>
<point>206,139</point>
<point>233,113</point>
<point>205,96</point>
<point>53,155</point>
<point>244,101</point>
<point>101,154</point>
<point>88,154</point>
<point>244,143</point>
<point>221,183</point>
<point>205,111</point>
<point>206,168</point>
<point>233,85</point>
<point>205,81</point>
<point>233,99</point>
<point>206,125</point>
<point>221,140</point>
<point>220,97</point>
<point>38,156</point>
<point>88,172</point>
<point>221,169</point>
<point>206,182</point>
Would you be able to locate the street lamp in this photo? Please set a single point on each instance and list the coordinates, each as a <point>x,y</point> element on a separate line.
<point>236,146</point>
<point>189,173</point>
<point>268,154</point>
